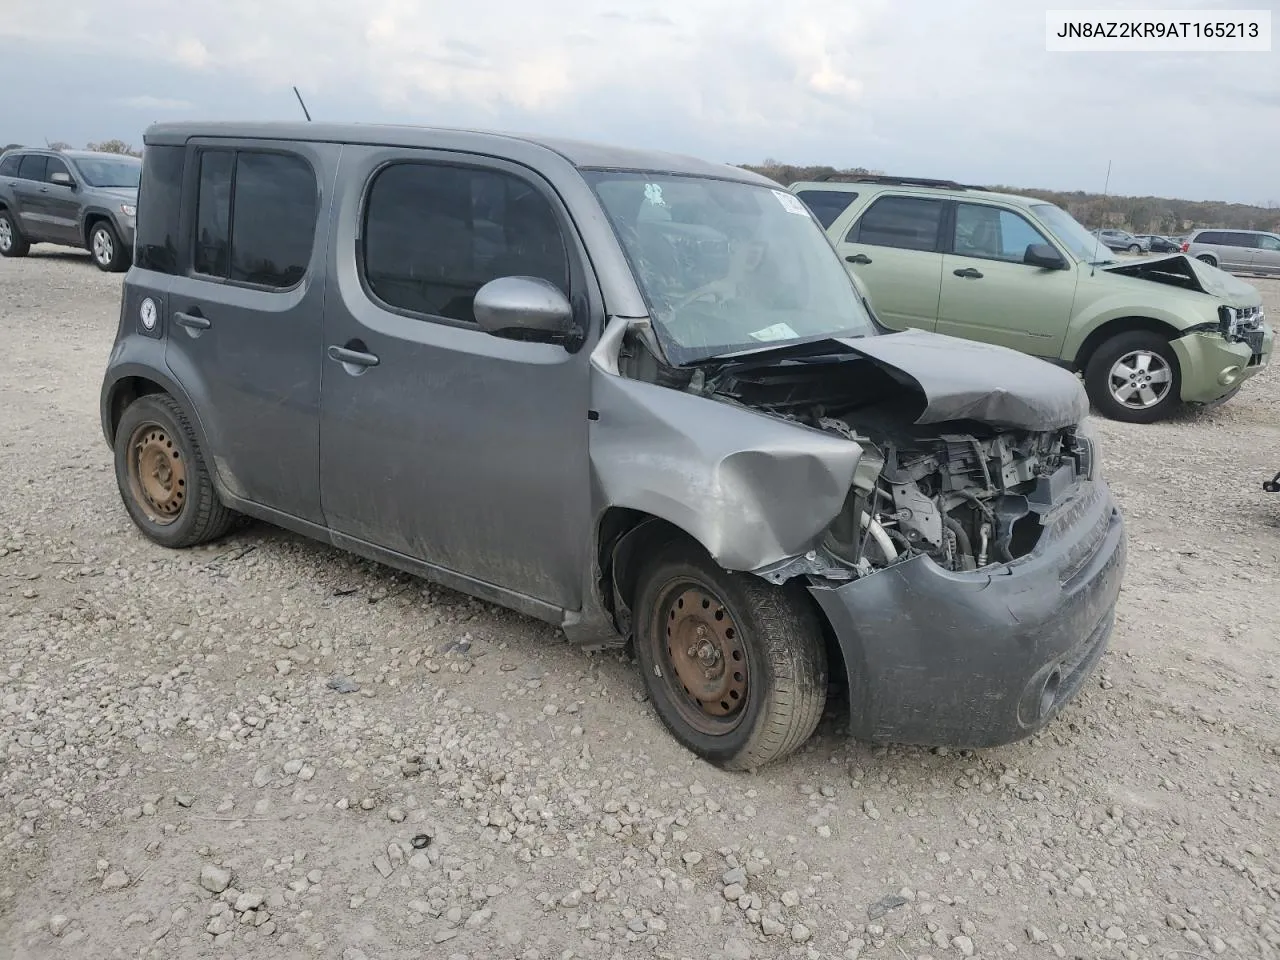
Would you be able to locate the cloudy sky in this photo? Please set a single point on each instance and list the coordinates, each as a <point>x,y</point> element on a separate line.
<point>962,89</point>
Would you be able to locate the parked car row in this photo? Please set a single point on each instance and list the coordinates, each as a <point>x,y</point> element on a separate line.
<point>72,197</point>
<point>1146,335</point>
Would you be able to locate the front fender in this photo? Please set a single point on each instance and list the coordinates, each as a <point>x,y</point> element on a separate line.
<point>1179,317</point>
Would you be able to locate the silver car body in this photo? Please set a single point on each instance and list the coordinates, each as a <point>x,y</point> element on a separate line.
<point>1241,251</point>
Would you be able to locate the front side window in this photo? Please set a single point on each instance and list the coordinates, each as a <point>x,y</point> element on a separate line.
<point>1267,242</point>
<point>907,223</point>
<point>827,205</point>
<point>159,205</point>
<point>727,266</point>
<point>991,233</point>
<point>434,234</point>
<point>109,171</point>
<point>255,217</point>
<point>32,167</point>
<point>1242,239</point>
<point>54,165</point>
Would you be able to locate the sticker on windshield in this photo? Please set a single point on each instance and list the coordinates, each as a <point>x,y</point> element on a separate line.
<point>791,203</point>
<point>779,331</point>
<point>653,194</point>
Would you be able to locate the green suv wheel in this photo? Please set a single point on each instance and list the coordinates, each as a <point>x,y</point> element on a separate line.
<point>1134,377</point>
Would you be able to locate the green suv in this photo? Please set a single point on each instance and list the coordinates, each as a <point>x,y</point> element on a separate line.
<point>1146,334</point>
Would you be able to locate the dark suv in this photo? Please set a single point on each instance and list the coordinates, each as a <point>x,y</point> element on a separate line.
<point>632,394</point>
<point>71,197</point>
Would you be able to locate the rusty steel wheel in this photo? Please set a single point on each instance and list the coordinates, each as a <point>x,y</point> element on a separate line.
<point>704,654</point>
<point>157,474</point>
<point>162,476</point>
<point>736,667</point>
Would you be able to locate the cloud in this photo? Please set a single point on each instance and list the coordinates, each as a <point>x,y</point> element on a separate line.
<point>920,87</point>
<point>163,104</point>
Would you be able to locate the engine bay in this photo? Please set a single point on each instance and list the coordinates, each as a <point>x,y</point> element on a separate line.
<point>966,493</point>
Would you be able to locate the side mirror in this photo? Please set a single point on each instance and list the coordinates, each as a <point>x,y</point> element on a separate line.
<point>62,179</point>
<point>524,308</point>
<point>1043,255</point>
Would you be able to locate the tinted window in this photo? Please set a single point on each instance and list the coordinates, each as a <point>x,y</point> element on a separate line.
<point>255,217</point>
<point>274,219</point>
<point>992,233</point>
<point>434,235</point>
<point>827,205</point>
<point>9,165</point>
<point>1242,239</point>
<point>32,167</point>
<point>212,254</point>
<point>910,223</point>
<point>159,203</point>
<point>54,165</point>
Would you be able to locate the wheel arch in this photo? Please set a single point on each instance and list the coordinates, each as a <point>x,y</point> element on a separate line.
<point>92,217</point>
<point>1116,326</point>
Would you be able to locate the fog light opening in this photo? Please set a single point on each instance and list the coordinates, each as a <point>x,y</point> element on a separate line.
<point>1049,692</point>
<point>1229,376</point>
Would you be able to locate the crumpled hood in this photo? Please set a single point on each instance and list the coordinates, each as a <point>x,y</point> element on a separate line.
<point>1181,270</point>
<point>966,380</point>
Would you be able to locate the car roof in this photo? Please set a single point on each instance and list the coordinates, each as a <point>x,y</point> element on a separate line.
<point>74,154</point>
<point>583,154</point>
<point>880,185</point>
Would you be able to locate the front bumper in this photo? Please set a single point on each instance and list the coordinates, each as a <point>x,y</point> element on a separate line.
<point>1213,367</point>
<point>982,658</point>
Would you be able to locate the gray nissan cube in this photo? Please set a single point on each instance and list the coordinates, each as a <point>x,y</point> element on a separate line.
<point>631,394</point>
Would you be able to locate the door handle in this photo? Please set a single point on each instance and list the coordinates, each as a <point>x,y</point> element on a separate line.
<point>190,321</point>
<point>44,189</point>
<point>969,273</point>
<point>858,258</point>
<point>357,358</point>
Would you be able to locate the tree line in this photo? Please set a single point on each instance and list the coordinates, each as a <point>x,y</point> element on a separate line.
<point>1158,215</point>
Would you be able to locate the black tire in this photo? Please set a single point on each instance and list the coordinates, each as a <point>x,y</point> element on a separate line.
<point>772,631</point>
<point>1206,258</point>
<point>16,245</point>
<point>1097,378</point>
<point>190,513</point>
<point>107,250</point>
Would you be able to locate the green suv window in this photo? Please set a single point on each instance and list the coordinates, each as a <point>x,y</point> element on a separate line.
<point>992,233</point>
<point>908,223</point>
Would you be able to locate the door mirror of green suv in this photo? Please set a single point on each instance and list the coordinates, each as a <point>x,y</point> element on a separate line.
<point>1043,255</point>
<point>524,308</point>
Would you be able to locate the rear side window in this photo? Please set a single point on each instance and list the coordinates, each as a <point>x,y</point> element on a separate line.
<point>827,205</point>
<point>908,223</point>
<point>1211,236</point>
<point>9,165</point>
<point>255,217</point>
<point>32,167</point>
<point>435,234</point>
<point>159,204</point>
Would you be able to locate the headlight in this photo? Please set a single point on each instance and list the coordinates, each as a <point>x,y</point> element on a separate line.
<point>128,209</point>
<point>1228,322</point>
<point>1086,449</point>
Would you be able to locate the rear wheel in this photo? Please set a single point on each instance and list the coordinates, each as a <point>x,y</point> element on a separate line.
<point>12,243</point>
<point>162,476</point>
<point>736,667</point>
<point>1206,258</point>
<point>1134,377</point>
<point>108,253</point>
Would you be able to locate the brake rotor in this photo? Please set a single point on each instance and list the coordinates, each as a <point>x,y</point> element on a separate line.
<point>705,651</point>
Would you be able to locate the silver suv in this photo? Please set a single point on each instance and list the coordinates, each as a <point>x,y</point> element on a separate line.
<point>1244,251</point>
<point>77,198</point>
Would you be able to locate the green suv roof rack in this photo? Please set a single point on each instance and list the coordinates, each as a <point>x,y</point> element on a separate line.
<point>896,181</point>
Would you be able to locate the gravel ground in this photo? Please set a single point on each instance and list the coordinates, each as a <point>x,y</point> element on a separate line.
<point>179,779</point>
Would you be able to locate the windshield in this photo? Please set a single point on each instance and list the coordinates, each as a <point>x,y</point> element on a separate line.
<point>1085,245</point>
<point>728,266</point>
<point>109,172</point>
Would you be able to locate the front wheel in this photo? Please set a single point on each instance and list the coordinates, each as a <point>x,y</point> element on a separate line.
<point>736,667</point>
<point>1134,378</point>
<point>1134,248</point>
<point>162,476</point>
<point>1205,258</point>
<point>108,253</point>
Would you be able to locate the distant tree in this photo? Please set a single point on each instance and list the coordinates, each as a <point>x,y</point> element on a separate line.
<point>59,145</point>
<point>12,146</point>
<point>113,146</point>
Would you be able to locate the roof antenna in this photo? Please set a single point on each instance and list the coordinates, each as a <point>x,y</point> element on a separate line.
<point>1093,266</point>
<point>305,112</point>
